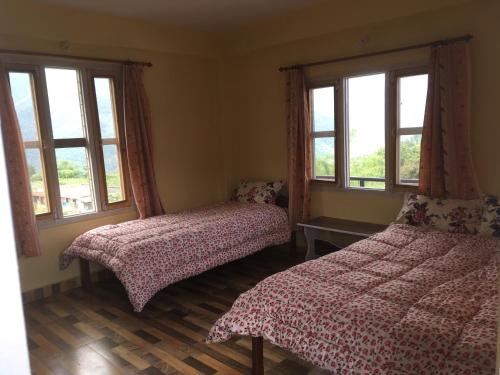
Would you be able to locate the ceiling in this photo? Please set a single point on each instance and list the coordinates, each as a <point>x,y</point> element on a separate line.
<point>217,15</point>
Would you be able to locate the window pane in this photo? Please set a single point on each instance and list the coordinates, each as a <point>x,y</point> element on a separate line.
<point>366,121</point>
<point>74,181</point>
<point>409,159</point>
<point>412,97</point>
<point>105,107</point>
<point>65,104</point>
<point>113,174</point>
<point>324,157</point>
<point>37,180</point>
<point>324,109</point>
<point>21,85</point>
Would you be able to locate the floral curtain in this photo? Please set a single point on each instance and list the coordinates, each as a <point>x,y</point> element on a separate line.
<point>139,143</point>
<point>299,148</point>
<point>25,226</point>
<point>446,168</point>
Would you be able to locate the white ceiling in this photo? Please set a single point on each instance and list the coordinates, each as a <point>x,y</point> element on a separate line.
<point>200,14</point>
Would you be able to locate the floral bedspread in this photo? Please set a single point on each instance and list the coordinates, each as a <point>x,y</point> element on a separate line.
<point>148,255</point>
<point>404,301</point>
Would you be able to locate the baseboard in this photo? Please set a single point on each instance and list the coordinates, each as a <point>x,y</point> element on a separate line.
<point>62,286</point>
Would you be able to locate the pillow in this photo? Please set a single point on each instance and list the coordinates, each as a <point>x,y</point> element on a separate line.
<point>258,192</point>
<point>490,224</point>
<point>446,215</point>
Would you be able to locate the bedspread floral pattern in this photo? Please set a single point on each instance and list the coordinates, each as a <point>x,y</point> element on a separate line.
<point>404,301</point>
<point>148,255</point>
<point>448,215</point>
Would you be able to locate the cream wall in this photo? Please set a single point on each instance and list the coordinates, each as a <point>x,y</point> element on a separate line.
<point>182,87</point>
<point>253,92</point>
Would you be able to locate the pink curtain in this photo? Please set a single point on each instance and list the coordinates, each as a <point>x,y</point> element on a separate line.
<point>19,184</point>
<point>139,143</point>
<point>446,168</point>
<point>299,148</point>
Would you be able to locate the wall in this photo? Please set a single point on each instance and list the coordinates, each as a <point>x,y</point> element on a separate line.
<point>253,90</point>
<point>180,85</point>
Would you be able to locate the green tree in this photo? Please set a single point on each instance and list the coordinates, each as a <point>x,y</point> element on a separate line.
<point>67,169</point>
<point>409,153</point>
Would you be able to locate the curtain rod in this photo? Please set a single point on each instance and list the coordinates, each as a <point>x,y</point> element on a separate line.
<point>465,38</point>
<point>86,58</point>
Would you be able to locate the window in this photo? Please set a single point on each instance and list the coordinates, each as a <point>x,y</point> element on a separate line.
<point>323,132</point>
<point>23,94</point>
<point>366,129</point>
<point>411,97</point>
<point>70,122</point>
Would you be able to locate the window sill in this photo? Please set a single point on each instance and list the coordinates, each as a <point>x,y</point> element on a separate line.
<point>50,223</point>
<point>323,181</point>
<point>355,190</point>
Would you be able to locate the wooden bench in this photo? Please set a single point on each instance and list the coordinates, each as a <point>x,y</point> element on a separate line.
<point>318,229</point>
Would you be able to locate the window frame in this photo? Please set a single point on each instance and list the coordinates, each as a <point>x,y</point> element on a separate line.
<point>391,128</point>
<point>35,65</point>
<point>119,140</point>
<point>345,125</point>
<point>336,84</point>
<point>394,131</point>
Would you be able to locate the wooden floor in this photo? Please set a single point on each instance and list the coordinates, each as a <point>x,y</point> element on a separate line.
<point>80,333</point>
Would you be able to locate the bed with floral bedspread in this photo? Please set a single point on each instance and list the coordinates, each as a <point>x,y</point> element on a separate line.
<point>148,255</point>
<point>404,301</point>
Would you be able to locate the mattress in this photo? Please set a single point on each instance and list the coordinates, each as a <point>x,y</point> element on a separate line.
<point>404,301</point>
<point>148,255</point>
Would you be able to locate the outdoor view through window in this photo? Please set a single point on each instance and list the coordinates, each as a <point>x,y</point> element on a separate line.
<point>71,147</point>
<point>365,128</point>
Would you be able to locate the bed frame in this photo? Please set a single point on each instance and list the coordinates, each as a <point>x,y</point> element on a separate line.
<point>86,279</point>
<point>257,356</point>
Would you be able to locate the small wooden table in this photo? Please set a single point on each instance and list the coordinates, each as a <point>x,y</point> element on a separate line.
<point>318,228</point>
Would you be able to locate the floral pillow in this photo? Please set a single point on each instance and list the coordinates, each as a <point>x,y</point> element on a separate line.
<point>258,192</point>
<point>490,225</point>
<point>447,215</point>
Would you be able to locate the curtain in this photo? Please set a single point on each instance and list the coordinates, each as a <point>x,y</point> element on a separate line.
<point>139,143</point>
<point>25,226</point>
<point>299,147</point>
<point>446,168</point>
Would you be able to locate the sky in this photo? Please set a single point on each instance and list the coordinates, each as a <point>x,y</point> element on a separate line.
<point>366,109</point>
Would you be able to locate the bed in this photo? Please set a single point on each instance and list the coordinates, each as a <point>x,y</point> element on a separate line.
<point>404,301</point>
<point>150,254</point>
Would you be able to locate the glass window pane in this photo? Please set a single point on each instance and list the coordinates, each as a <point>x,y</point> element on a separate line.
<point>412,97</point>
<point>366,121</point>
<point>74,181</point>
<point>37,180</point>
<point>65,103</point>
<point>324,157</point>
<point>21,86</point>
<point>409,158</point>
<point>323,109</point>
<point>105,107</point>
<point>112,169</point>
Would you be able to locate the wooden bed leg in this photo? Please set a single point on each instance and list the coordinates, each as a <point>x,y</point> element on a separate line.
<point>257,356</point>
<point>293,243</point>
<point>85,275</point>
